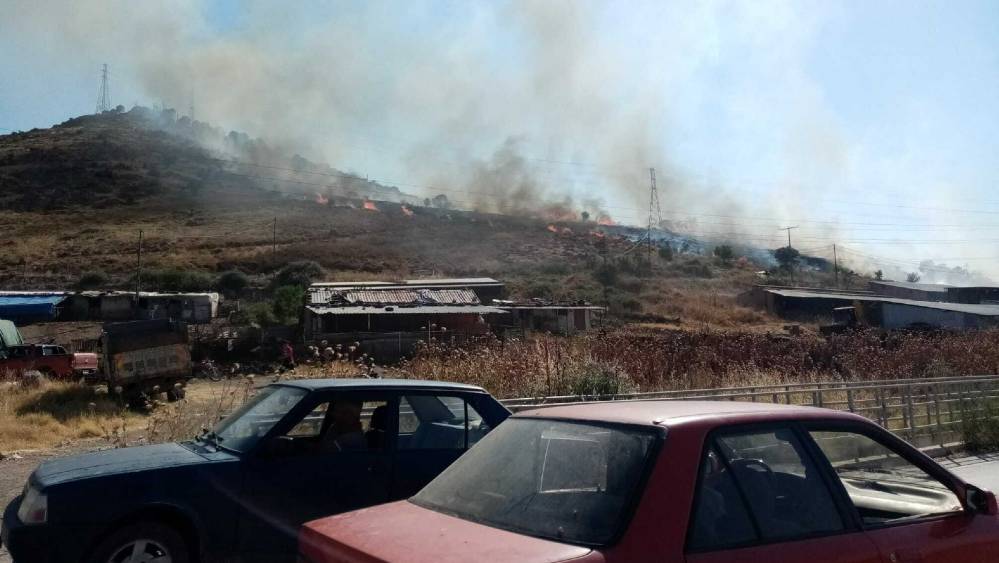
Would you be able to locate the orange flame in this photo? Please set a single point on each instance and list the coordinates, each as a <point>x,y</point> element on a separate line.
<point>552,228</point>
<point>370,205</point>
<point>605,220</point>
<point>566,231</point>
<point>321,199</point>
<point>598,234</point>
<point>407,211</point>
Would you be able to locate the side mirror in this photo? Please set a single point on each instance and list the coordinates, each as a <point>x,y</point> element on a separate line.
<point>278,446</point>
<point>982,502</point>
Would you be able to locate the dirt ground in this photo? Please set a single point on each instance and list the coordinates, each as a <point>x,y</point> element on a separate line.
<point>17,466</point>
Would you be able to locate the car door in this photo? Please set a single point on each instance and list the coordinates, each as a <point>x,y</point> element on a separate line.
<point>762,497</point>
<point>434,429</point>
<point>908,505</point>
<point>332,456</point>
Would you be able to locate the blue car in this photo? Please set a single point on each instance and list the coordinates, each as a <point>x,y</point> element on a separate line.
<point>296,451</point>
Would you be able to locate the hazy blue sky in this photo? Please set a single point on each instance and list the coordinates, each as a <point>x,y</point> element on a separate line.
<point>871,124</point>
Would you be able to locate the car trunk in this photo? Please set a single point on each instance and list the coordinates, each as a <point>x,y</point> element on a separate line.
<point>85,361</point>
<point>402,531</point>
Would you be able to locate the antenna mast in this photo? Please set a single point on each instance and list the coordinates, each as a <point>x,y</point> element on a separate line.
<point>104,95</point>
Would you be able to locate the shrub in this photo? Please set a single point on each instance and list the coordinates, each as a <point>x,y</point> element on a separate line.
<point>300,273</point>
<point>94,279</point>
<point>981,428</point>
<point>256,314</point>
<point>598,378</point>
<point>232,282</point>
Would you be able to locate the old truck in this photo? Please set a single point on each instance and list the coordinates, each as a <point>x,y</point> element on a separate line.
<point>47,359</point>
<point>144,358</point>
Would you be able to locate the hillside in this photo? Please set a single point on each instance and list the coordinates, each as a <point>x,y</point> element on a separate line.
<point>76,196</point>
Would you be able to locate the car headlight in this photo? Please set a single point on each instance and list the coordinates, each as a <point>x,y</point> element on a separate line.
<point>34,507</point>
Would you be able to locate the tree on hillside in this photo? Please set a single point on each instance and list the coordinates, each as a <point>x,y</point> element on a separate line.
<point>787,257</point>
<point>585,216</point>
<point>912,277</point>
<point>441,202</point>
<point>724,253</point>
<point>666,252</point>
<point>879,275</point>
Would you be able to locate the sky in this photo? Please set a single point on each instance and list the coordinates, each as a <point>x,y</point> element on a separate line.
<point>869,125</point>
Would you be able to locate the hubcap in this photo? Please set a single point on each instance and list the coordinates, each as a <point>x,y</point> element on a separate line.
<point>141,551</point>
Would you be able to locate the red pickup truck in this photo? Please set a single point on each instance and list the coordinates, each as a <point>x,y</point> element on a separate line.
<point>676,481</point>
<point>49,359</point>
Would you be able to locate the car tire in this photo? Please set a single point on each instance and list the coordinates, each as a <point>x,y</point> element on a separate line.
<point>160,543</point>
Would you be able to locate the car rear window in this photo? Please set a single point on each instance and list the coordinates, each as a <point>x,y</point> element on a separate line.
<point>568,481</point>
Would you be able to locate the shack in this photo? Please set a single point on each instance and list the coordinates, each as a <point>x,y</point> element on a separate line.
<point>194,308</point>
<point>875,310</point>
<point>537,316</point>
<point>388,319</point>
<point>909,290</point>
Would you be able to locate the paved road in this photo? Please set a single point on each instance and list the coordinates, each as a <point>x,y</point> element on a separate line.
<point>981,471</point>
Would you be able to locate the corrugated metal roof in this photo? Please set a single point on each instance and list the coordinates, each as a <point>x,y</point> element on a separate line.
<point>984,310</point>
<point>332,297</point>
<point>416,310</point>
<point>453,281</point>
<point>935,287</point>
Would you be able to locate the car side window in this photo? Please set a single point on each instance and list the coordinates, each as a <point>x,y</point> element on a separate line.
<point>720,518</point>
<point>438,422</point>
<point>768,476</point>
<point>312,424</point>
<point>882,485</point>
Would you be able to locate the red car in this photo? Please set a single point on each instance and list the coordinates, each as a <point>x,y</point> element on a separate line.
<point>48,359</point>
<point>675,481</point>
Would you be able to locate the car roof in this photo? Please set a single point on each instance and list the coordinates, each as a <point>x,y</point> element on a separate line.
<point>663,412</point>
<point>364,383</point>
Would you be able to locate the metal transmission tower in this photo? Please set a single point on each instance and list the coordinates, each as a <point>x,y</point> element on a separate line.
<point>655,213</point>
<point>104,95</point>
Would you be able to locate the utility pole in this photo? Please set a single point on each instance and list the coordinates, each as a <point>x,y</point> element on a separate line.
<point>836,266</point>
<point>788,229</point>
<point>655,213</point>
<point>138,270</point>
<point>104,95</point>
<point>274,242</point>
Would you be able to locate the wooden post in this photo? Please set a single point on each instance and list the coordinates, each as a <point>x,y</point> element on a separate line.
<point>908,402</point>
<point>849,399</point>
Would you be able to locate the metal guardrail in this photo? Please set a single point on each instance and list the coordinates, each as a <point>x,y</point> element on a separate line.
<point>929,410</point>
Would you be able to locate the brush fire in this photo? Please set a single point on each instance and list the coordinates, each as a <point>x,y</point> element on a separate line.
<point>407,211</point>
<point>370,205</point>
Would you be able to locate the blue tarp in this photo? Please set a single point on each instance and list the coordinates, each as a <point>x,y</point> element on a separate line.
<point>21,308</point>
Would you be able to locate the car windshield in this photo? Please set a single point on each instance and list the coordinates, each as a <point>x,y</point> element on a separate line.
<point>241,430</point>
<point>567,481</point>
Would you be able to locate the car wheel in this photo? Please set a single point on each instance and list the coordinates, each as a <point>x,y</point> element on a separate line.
<point>146,541</point>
